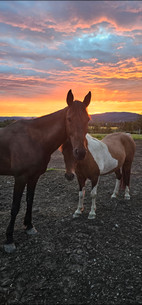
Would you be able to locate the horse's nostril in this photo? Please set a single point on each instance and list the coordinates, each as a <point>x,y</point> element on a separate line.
<point>69,177</point>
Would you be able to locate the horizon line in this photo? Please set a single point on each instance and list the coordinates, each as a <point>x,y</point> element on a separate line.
<point>29,116</point>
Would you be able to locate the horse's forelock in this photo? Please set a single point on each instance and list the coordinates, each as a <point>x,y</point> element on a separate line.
<point>79,107</point>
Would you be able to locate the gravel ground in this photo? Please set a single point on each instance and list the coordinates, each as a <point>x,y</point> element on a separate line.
<point>74,261</point>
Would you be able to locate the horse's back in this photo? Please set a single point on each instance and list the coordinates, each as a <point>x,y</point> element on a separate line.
<point>121,144</point>
<point>12,134</point>
<point>101,155</point>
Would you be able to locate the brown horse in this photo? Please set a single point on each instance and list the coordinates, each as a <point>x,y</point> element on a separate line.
<point>26,147</point>
<point>114,153</point>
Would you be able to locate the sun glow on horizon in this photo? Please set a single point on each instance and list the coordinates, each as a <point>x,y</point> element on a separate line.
<point>34,108</point>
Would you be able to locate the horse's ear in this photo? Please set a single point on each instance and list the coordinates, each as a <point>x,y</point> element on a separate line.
<point>87,99</point>
<point>70,98</point>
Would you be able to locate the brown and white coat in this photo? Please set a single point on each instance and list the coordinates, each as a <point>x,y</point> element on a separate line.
<point>114,153</point>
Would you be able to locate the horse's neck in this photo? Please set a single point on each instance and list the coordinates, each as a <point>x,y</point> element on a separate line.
<point>52,128</point>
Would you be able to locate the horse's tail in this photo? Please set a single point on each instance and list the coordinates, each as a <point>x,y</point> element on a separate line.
<point>126,168</point>
<point>125,179</point>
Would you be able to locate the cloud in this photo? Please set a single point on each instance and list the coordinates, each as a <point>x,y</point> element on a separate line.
<point>50,44</point>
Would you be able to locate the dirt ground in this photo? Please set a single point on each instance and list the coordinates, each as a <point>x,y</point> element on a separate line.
<point>74,261</point>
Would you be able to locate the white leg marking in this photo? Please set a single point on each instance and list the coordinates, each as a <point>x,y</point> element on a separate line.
<point>116,189</point>
<point>127,193</point>
<point>92,213</point>
<point>80,207</point>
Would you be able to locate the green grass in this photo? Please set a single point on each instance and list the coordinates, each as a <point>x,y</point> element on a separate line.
<point>54,169</point>
<point>137,136</point>
<point>100,136</point>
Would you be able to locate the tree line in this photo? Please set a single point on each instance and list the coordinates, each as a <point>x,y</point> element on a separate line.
<point>6,122</point>
<point>102,127</point>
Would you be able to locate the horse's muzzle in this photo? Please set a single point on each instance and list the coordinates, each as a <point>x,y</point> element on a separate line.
<point>79,154</point>
<point>69,176</point>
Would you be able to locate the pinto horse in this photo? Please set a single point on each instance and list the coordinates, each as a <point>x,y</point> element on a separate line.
<point>114,153</point>
<point>26,147</point>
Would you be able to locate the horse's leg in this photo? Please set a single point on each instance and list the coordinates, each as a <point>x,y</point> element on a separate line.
<point>117,184</point>
<point>126,172</point>
<point>31,185</point>
<point>92,213</point>
<point>19,186</point>
<point>80,207</point>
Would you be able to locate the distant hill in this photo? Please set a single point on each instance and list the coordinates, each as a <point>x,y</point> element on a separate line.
<point>115,117</point>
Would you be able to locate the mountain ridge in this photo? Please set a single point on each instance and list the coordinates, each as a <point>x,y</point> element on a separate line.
<point>115,117</point>
<point>106,117</point>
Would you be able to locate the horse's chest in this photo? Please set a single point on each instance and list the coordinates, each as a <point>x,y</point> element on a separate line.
<point>88,167</point>
<point>101,155</point>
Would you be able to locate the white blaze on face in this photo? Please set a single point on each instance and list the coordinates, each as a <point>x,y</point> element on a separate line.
<point>101,155</point>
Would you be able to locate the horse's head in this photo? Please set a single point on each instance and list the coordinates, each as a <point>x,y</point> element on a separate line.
<point>76,124</point>
<point>69,159</point>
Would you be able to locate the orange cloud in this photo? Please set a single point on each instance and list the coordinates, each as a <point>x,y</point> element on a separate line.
<point>87,47</point>
<point>103,100</point>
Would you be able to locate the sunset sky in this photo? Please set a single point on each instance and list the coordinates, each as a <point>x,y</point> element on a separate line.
<point>50,47</point>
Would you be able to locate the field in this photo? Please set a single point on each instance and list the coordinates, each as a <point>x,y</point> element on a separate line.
<point>74,261</point>
<point>100,136</point>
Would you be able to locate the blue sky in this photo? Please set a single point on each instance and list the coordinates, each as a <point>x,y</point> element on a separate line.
<point>49,47</point>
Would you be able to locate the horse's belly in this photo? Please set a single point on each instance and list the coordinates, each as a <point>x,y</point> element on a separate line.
<point>108,165</point>
<point>5,164</point>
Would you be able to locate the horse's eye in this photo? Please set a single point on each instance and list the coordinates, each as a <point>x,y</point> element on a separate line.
<point>69,119</point>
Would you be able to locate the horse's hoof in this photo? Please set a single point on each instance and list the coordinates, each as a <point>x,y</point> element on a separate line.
<point>113,196</point>
<point>76,215</point>
<point>31,231</point>
<point>127,197</point>
<point>9,248</point>
<point>92,216</point>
